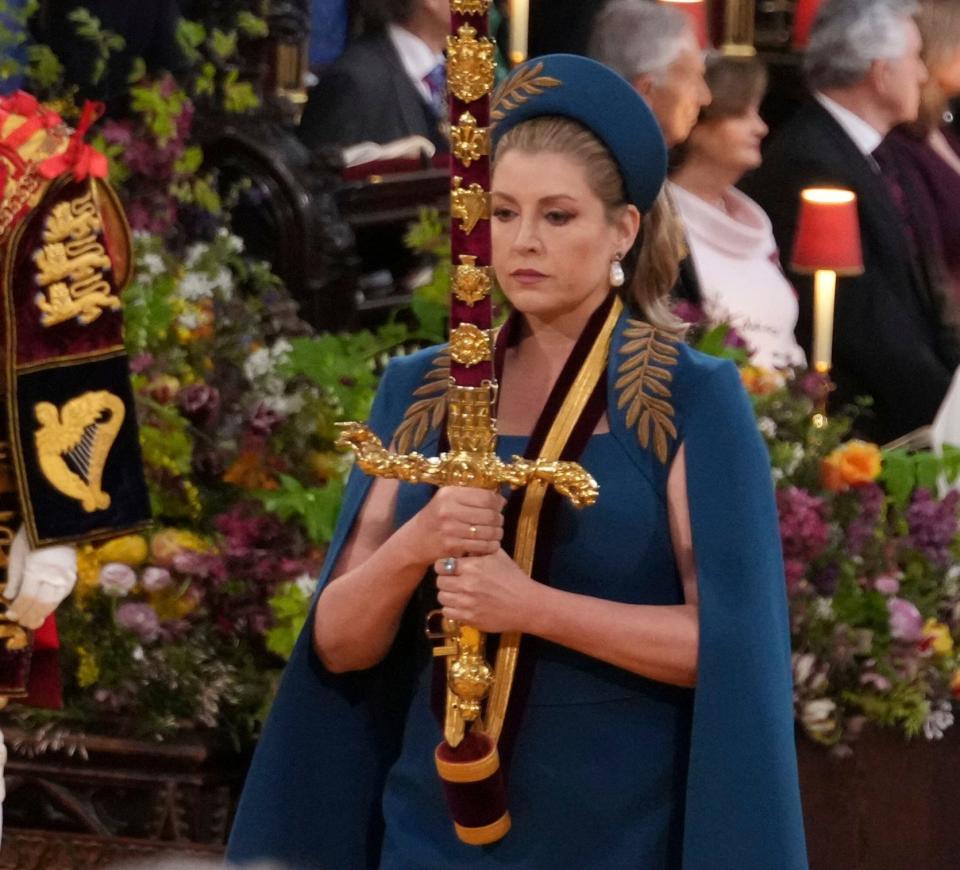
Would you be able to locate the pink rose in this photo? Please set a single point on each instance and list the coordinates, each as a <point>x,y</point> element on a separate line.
<point>117,579</point>
<point>906,623</point>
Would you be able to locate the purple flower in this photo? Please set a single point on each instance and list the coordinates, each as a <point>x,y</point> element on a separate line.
<point>887,584</point>
<point>863,527</point>
<point>141,363</point>
<point>933,525</point>
<point>803,528</point>
<point>200,404</point>
<point>264,419</point>
<point>906,622</point>
<point>688,312</point>
<point>156,579</point>
<point>139,619</point>
<point>735,340</point>
<point>117,579</point>
<point>795,570</point>
<point>813,385</point>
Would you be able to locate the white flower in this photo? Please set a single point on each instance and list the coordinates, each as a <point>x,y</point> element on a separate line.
<point>281,350</point>
<point>195,286</point>
<point>937,722</point>
<point>803,667</point>
<point>138,653</point>
<point>195,252</point>
<point>796,456</point>
<point>767,426</point>
<point>306,583</point>
<point>257,364</point>
<point>151,265</point>
<point>222,282</point>
<point>818,716</point>
<point>823,608</point>
<point>234,243</point>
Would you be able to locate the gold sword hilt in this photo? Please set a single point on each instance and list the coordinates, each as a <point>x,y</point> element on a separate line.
<point>469,675</point>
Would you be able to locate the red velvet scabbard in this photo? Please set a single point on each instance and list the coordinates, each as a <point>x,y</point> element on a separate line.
<point>470,771</point>
<point>474,787</point>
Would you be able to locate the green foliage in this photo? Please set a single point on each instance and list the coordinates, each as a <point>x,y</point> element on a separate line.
<point>904,471</point>
<point>105,42</point>
<point>252,25</point>
<point>190,36</point>
<point>316,507</point>
<point>290,607</point>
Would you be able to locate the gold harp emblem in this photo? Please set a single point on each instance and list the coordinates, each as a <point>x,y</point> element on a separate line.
<point>470,7</point>
<point>471,282</point>
<point>470,142</point>
<point>73,443</point>
<point>469,205</point>
<point>470,64</point>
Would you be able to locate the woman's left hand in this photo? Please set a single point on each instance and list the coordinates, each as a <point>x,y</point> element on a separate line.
<point>490,593</point>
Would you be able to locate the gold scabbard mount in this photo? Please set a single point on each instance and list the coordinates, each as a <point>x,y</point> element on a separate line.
<point>469,140</point>
<point>470,345</point>
<point>471,283</point>
<point>470,7</point>
<point>469,205</point>
<point>471,64</point>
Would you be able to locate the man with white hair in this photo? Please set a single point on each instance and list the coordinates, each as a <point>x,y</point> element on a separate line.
<point>655,49</point>
<point>894,338</point>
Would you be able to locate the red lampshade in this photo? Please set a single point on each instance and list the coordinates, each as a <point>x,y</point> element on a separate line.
<point>803,17</point>
<point>696,11</point>
<point>828,232</point>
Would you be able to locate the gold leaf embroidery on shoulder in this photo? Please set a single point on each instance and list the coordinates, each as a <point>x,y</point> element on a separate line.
<point>518,88</point>
<point>427,412</point>
<point>644,384</point>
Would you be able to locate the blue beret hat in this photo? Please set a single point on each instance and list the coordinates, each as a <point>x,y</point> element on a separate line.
<point>602,101</point>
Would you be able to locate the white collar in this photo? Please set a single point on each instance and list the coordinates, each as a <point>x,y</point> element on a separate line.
<point>864,136</point>
<point>417,57</point>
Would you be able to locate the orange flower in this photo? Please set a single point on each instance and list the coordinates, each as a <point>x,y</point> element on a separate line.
<point>249,471</point>
<point>955,685</point>
<point>852,464</point>
<point>760,382</point>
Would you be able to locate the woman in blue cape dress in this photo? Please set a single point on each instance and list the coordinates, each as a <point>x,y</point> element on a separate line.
<point>652,717</point>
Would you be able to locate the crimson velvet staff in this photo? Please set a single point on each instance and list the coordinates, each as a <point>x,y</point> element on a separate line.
<point>650,723</point>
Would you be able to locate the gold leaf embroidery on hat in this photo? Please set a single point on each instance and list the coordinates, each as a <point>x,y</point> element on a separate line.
<point>520,87</point>
<point>427,413</point>
<point>644,384</point>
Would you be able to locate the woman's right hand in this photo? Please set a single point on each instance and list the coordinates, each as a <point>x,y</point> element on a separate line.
<point>458,521</point>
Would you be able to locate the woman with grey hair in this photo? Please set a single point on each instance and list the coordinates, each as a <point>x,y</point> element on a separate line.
<point>654,48</point>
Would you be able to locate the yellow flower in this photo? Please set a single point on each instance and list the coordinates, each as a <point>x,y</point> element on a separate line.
<point>88,670</point>
<point>131,550</point>
<point>88,572</point>
<point>852,464</point>
<point>167,543</point>
<point>937,636</point>
<point>174,604</point>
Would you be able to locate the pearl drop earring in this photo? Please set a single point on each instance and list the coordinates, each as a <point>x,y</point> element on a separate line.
<point>616,273</point>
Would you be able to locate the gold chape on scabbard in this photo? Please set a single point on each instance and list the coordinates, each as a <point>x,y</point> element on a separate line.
<point>468,756</point>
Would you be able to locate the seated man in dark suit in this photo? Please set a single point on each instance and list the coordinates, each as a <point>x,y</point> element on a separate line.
<point>893,334</point>
<point>387,85</point>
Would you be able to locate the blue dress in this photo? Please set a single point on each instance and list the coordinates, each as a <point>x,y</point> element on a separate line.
<point>609,769</point>
<point>581,715</point>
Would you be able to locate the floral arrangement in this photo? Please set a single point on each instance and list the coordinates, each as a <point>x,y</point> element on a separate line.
<point>871,551</point>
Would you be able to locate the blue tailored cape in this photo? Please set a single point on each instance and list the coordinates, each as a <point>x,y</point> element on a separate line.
<point>313,793</point>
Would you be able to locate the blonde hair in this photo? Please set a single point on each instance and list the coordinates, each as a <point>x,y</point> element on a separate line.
<point>939,24</point>
<point>652,265</point>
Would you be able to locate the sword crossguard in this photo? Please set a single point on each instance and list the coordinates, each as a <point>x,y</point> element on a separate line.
<point>462,468</point>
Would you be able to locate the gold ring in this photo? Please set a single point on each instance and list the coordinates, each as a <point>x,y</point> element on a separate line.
<point>473,531</point>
